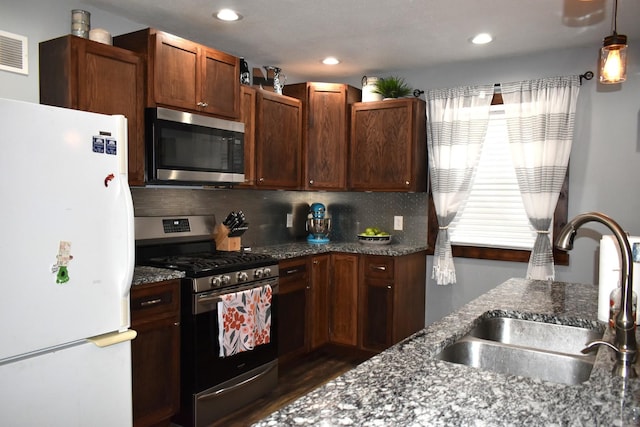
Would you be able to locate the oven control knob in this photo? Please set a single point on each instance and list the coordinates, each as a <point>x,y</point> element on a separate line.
<point>267,272</point>
<point>258,273</point>
<point>226,279</point>
<point>242,276</point>
<point>216,281</point>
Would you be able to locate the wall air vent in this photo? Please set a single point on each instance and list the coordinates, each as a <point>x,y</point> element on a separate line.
<point>13,53</point>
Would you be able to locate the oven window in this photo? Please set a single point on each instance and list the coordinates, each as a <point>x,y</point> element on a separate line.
<point>202,365</point>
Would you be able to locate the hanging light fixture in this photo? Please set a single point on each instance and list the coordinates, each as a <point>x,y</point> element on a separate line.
<point>613,54</point>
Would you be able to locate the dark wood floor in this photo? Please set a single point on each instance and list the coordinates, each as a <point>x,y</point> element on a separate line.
<point>295,379</point>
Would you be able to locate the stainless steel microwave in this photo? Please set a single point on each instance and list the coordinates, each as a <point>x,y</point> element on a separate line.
<point>186,148</point>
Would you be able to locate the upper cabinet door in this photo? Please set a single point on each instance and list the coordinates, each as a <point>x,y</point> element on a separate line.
<point>186,75</point>
<point>278,141</point>
<point>388,146</point>
<point>175,72</point>
<point>325,131</point>
<point>87,75</point>
<point>220,83</point>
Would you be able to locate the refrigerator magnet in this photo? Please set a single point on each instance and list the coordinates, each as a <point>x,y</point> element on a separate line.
<point>98,144</point>
<point>63,258</point>
<point>111,146</point>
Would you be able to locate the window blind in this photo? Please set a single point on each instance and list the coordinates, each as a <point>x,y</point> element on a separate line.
<point>494,215</point>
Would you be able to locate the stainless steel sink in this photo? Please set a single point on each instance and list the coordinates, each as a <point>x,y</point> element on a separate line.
<point>539,335</point>
<point>532,349</point>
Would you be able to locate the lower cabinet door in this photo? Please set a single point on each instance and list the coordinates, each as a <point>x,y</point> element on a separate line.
<point>376,297</point>
<point>156,373</point>
<point>344,300</point>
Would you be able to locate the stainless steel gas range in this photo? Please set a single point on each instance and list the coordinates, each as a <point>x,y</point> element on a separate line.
<point>213,383</point>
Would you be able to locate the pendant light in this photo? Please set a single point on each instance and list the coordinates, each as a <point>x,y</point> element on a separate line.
<point>613,54</point>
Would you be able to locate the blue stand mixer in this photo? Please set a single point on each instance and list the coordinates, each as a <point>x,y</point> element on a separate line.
<point>318,224</point>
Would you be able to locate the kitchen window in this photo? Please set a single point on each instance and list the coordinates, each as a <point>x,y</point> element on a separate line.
<point>479,229</point>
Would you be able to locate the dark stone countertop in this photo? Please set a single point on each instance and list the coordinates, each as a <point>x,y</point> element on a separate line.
<point>406,386</point>
<point>143,274</point>
<point>292,250</point>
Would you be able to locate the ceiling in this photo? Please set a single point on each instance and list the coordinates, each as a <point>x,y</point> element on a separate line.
<point>377,36</point>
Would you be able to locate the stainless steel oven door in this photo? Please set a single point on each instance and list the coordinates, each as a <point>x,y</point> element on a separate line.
<point>221,400</point>
<point>208,379</point>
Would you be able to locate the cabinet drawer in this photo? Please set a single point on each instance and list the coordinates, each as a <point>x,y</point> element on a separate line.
<point>378,267</point>
<point>293,270</point>
<point>155,300</point>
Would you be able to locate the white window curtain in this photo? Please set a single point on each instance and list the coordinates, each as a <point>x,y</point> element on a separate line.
<point>540,121</point>
<point>457,120</point>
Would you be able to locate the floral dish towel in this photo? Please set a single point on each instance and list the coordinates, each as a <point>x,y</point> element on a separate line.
<point>244,320</point>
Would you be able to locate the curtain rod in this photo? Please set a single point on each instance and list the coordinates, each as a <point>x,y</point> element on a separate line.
<point>587,75</point>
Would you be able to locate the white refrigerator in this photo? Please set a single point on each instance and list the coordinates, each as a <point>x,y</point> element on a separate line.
<point>67,250</point>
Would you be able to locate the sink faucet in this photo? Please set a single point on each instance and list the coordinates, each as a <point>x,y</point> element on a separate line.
<point>625,322</point>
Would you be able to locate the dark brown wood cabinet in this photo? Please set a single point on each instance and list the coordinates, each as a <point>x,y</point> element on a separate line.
<point>248,117</point>
<point>293,308</point>
<point>388,146</point>
<point>391,299</point>
<point>278,139</point>
<point>155,352</point>
<point>357,302</point>
<point>325,132</point>
<point>186,75</point>
<point>343,298</point>
<point>86,75</point>
<point>319,300</point>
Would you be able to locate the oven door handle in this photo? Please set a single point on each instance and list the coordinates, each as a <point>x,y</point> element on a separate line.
<point>257,376</point>
<point>206,302</point>
<point>211,297</point>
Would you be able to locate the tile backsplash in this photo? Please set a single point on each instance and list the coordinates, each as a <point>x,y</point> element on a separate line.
<point>266,211</point>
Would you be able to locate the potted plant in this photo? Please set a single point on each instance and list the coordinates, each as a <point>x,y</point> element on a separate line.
<point>392,87</point>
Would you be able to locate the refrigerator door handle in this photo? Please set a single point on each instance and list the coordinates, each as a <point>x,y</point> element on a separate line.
<point>113,338</point>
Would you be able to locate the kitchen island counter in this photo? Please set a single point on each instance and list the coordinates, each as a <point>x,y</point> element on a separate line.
<point>406,386</point>
<point>292,250</point>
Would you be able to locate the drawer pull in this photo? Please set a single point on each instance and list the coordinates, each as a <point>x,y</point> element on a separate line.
<point>378,267</point>
<point>151,302</point>
<point>292,271</point>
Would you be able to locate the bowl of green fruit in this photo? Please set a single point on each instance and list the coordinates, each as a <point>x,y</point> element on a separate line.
<point>374,236</point>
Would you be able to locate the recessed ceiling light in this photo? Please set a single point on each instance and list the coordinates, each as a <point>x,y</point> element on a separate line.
<point>330,60</point>
<point>228,15</point>
<point>482,38</point>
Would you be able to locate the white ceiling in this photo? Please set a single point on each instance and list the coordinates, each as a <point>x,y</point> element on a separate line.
<point>377,36</point>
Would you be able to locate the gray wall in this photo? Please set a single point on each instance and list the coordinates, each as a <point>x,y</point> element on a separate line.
<point>604,163</point>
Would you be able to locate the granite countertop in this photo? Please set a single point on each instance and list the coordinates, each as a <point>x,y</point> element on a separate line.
<point>406,386</point>
<point>292,250</point>
<point>143,274</point>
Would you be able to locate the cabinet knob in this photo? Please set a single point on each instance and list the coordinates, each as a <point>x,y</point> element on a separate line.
<point>407,183</point>
<point>388,286</point>
<point>310,182</point>
<point>202,104</point>
<point>261,180</point>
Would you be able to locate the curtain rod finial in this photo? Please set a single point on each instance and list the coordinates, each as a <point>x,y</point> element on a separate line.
<point>587,75</point>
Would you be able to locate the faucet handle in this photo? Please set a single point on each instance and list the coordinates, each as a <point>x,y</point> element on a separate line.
<point>593,346</point>
<point>624,359</point>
